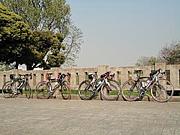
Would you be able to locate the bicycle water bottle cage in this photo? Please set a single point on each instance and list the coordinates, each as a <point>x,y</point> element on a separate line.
<point>98,83</point>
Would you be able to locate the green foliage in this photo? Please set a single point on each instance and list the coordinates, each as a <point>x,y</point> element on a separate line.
<point>14,34</point>
<point>55,59</point>
<point>42,15</point>
<point>50,15</point>
<point>19,44</point>
<point>49,45</point>
<point>5,67</point>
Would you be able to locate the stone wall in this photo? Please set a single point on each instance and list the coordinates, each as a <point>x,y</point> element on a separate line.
<point>79,74</point>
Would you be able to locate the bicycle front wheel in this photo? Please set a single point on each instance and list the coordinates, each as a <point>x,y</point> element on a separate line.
<point>65,91</point>
<point>6,90</point>
<point>85,90</point>
<point>111,91</point>
<point>162,91</point>
<point>43,90</point>
<point>130,91</point>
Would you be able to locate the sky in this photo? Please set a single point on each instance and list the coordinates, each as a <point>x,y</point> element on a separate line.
<point>118,32</point>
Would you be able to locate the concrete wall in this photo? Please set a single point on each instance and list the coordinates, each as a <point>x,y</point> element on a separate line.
<point>79,74</point>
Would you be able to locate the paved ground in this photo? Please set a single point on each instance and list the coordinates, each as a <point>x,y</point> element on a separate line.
<point>57,117</point>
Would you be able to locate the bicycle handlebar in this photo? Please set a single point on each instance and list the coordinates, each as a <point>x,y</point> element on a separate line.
<point>157,71</point>
<point>105,75</point>
<point>61,76</point>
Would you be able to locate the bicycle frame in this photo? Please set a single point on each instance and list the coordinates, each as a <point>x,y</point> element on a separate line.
<point>151,80</point>
<point>60,81</point>
<point>22,81</point>
<point>97,84</point>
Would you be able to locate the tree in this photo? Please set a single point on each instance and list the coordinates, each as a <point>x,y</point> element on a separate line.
<point>47,51</point>
<point>147,61</point>
<point>22,46</point>
<point>42,14</point>
<point>52,15</point>
<point>5,67</point>
<point>171,54</point>
<point>72,43</point>
<point>14,34</point>
<point>42,42</point>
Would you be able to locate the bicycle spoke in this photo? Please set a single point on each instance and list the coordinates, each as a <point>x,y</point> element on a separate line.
<point>86,91</point>
<point>42,90</point>
<point>162,91</point>
<point>111,91</point>
<point>130,91</point>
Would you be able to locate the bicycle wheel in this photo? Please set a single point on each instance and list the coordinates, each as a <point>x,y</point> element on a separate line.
<point>85,90</point>
<point>43,90</point>
<point>6,90</point>
<point>111,91</point>
<point>162,91</point>
<point>130,91</point>
<point>65,91</point>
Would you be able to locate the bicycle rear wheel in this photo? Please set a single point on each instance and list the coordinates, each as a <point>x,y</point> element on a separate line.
<point>43,90</point>
<point>162,91</point>
<point>85,90</point>
<point>130,91</point>
<point>111,91</point>
<point>65,91</point>
<point>6,90</point>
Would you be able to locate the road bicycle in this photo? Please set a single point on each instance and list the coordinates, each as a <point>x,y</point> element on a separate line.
<point>155,85</point>
<point>109,89</point>
<point>47,89</point>
<point>17,86</point>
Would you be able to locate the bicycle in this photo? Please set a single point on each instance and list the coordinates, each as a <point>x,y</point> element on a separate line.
<point>17,86</point>
<point>109,89</point>
<point>46,90</point>
<point>160,89</point>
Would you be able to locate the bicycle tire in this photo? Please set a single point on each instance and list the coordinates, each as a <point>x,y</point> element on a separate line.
<point>162,91</point>
<point>43,90</point>
<point>112,91</point>
<point>85,90</point>
<point>130,91</point>
<point>65,91</point>
<point>6,90</point>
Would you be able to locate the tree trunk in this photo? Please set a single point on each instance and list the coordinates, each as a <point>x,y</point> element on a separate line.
<point>16,66</point>
<point>29,67</point>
